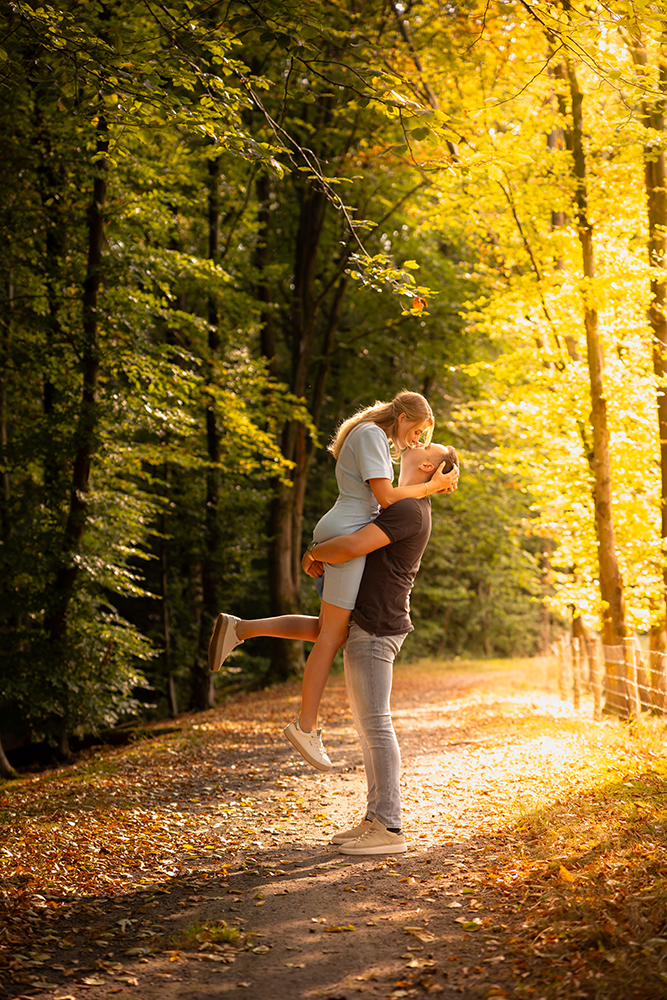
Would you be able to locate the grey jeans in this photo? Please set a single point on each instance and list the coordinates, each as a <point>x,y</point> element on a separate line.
<point>369,661</point>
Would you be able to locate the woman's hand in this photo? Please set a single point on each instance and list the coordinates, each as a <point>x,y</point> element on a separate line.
<point>311,565</point>
<point>445,482</point>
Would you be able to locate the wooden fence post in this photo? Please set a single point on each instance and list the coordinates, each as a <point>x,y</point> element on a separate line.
<point>563,668</point>
<point>576,672</point>
<point>615,688</point>
<point>658,669</point>
<point>634,703</point>
<point>586,641</point>
<point>643,675</point>
<point>596,677</point>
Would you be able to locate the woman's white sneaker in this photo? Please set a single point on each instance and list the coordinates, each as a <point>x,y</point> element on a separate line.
<point>309,745</point>
<point>223,641</point>
<point>377,840</point>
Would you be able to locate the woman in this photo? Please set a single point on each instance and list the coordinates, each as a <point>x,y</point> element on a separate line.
<point>364,472</point>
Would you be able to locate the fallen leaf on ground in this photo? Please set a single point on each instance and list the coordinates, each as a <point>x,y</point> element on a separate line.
<point>430,985</point>
<point>420,933</point>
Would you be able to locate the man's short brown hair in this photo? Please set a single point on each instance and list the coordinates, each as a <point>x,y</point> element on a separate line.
<point>447,455</point>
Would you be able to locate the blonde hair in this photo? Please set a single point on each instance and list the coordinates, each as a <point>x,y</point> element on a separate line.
<point>385,415</point>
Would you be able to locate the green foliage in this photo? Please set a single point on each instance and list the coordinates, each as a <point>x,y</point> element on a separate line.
<point>150,393</point>
<point>480,588</point>
<point>301,218</point>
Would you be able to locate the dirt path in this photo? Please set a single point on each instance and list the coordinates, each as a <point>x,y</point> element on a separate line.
<point>139,864</point>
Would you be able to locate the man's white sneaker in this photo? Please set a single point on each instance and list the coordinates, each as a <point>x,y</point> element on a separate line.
<point>377,840</point>
<point>352,833</point>
<point>309,745</point>
<point>223,641</point>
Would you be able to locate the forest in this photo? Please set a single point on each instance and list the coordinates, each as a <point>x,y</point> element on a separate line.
<point>228,225</point>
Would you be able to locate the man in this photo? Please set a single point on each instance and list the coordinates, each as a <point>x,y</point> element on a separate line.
<point>394,544</point>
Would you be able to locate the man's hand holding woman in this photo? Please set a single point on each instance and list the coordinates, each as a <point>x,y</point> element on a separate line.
<point>311,565</point>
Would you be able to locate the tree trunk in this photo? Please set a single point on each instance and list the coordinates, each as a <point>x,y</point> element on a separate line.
<point>287,506</point>
<point>63,590</point>
<point>611,584</point>
<point>202,680</point>
<point>560,138</point>
<point>655,180</point>
<point>283,579</point>
<point>166,623</point>
<point>51,179</point>
<point>5,348</point>
<point>285,563</point>
<point>305,445</point>
<point>6,769</point>
<point>261,260</point>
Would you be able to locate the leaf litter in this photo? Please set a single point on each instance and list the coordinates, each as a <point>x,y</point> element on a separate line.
<point>140,866</point>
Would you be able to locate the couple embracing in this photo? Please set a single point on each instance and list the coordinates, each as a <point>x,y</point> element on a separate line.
<point>364,556</point>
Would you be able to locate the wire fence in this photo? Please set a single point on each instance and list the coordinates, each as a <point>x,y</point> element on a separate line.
<point>624,680</point>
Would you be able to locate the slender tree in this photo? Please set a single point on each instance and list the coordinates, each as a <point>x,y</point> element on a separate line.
<point>652,117</point>
<point>611,583</point>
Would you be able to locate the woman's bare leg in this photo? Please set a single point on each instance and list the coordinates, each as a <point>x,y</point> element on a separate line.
<point>304,627</point>
<point>334,624</point>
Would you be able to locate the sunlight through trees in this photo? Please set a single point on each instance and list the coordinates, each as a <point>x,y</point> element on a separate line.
<point>226,227</point>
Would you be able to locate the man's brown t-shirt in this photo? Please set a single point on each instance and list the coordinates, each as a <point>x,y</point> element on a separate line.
<point>383,601</point>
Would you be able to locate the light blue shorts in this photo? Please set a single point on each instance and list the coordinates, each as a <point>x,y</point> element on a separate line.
<point>341,581</point>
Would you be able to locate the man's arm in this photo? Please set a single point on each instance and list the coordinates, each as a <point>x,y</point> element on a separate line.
<point>342,548</point>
